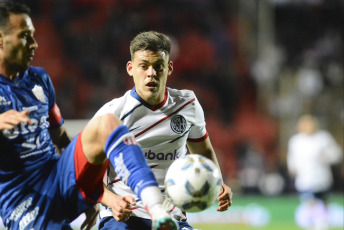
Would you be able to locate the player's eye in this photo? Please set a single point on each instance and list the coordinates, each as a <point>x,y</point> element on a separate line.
<point>144,67</point>
<point>27,36</point>
<point>24,35</point>
<point>159,67</point>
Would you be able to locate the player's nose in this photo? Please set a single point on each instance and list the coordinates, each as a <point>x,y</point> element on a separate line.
<point>33,43</point>
<point>151,72</point>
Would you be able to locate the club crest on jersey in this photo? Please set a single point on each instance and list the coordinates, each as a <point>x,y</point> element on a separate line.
<point>178,124</point>
<point>39,93</point>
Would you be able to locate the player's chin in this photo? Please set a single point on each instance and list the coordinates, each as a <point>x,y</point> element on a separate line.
<point>24,66</point>
<point>152,91</point>
<point>151,94</point>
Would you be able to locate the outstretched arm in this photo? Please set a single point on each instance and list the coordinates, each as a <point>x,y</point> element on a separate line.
<point>205,148</point>
<point>60,138</point>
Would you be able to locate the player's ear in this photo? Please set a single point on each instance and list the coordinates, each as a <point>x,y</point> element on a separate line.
<point>130,68</point>
<point>170,67</point>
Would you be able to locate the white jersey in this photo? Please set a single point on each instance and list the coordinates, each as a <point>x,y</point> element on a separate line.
<point>310,158</point>
<point>161,131</point>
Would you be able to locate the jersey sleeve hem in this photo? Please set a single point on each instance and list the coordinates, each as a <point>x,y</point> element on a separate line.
<point>55,117</point>
<point>198,139</point>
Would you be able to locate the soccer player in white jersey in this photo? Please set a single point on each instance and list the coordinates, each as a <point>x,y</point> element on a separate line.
<point>164,121</point>
<point>39,189</point>
<point>311,153</point>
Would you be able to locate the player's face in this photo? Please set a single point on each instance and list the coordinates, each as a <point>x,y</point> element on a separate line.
<point>150,71</point>
<point>17,43</point>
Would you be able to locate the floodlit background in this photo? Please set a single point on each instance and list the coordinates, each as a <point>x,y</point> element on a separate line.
<point>255,66</point>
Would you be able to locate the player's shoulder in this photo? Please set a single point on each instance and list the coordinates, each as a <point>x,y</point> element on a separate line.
<point>323,135</point>
<point>37,72</point>
<point>297,138</point>
<point>115,105</point>
<point>118,100</point>
<point>183,93</point>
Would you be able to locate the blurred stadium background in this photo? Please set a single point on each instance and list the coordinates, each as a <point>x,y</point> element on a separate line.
<point>256,65</point>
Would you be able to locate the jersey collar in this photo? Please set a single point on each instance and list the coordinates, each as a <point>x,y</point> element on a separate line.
<point>15,81</point>
<point>134,94</point>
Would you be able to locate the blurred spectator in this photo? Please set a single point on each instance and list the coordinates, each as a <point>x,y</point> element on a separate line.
<point>311,153</point>
<point>251,167</point>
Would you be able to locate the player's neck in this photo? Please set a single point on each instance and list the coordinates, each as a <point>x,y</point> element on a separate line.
<point>9,74</point>
<point>157,100</point>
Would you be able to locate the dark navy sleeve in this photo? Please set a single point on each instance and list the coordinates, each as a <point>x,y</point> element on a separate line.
<point>51,91</point>
<point>55,117</point>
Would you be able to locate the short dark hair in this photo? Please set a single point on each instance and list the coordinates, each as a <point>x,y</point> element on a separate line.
<point>150,40</point>
<point>11,7</point>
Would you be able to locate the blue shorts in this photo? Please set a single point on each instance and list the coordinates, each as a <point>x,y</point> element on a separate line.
<point>134,223</point>
<point>56,193</point>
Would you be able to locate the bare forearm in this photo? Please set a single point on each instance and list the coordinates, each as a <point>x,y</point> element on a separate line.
<point>205,149</point>
<point>107,197</point>
<point>60,138</point>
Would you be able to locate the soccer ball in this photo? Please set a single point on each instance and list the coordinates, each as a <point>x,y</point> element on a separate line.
<point>193,183</point>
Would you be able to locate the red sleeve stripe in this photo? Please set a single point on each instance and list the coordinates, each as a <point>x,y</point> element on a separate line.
<point>198,139</point>
<point>55,116</point>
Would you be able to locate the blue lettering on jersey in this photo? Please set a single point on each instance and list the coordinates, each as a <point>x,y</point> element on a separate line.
<point>161,156</point>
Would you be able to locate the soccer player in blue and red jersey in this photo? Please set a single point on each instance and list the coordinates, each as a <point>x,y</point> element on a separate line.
<point>39,189</point>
